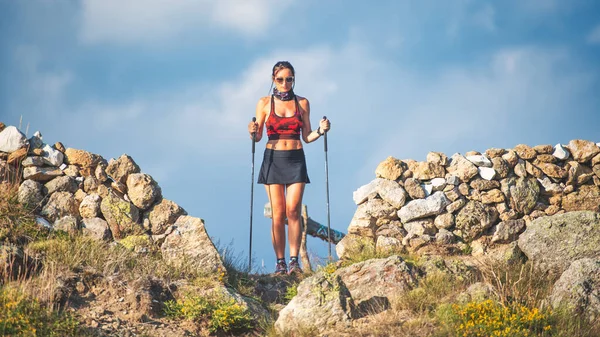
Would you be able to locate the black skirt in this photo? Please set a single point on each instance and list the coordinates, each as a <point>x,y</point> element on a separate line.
<point>283,167</point>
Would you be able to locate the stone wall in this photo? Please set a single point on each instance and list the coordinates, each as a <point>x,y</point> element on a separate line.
<point>110,200</point>
<point>470,200</point>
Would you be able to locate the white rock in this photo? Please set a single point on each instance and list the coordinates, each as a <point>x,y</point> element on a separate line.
<point>560,152</point>
<point>362,193</point>
<point>63,166</point>
<point>52,156</point>
<point>480,160</point>
<point>42,222</point>
<point>422,208</point>
<point>438,184</point>
<point>487,173</point>
<point>428,188</point>
<point>11,139</point>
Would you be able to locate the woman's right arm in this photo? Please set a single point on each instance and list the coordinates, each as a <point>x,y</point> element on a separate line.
<point>260,119</point>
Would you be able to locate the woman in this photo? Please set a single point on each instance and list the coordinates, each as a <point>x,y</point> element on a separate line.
<point>286,117</point>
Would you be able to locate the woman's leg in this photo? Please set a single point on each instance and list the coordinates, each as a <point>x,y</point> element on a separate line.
<point>293,204</point>
<point>276,195</point>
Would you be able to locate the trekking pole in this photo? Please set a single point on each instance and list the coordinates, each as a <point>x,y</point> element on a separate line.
<point>327,192</point>
<point>251,198</point>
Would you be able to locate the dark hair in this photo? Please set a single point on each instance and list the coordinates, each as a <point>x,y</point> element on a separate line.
<point>283,65</point>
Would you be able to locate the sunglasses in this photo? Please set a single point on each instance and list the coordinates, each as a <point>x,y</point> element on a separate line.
<point>289,79</point>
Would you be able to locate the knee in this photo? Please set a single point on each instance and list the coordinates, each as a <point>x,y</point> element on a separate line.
<point>278,215</point>
<point>292,213</point>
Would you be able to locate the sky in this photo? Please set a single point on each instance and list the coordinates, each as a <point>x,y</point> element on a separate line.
<point>174,84</point>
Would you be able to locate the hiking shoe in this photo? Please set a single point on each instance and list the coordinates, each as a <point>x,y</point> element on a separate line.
<point>281,268</point>
<point>295,267</point>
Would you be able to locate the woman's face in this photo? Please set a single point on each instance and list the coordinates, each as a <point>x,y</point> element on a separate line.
<point>284,79</point>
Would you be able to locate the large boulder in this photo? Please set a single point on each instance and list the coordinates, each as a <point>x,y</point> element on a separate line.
<point>554,242</point>
<point>578,289</point>
<point>190,242</point>
<point>122,216</point>
<point>332,298</point>
<point>142,190</point>
<point>11,139</point>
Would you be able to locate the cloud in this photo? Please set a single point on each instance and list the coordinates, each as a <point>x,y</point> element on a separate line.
<point>594,36</point>
<point>153,22</point>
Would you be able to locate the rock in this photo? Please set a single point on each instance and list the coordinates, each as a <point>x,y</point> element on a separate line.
<point>484,185</point>
<point>61,184</point>
<point>453,194</point>
<point>438,184</point>
<point>90,184</point>
<point>391,192</point>
<point>472,153</point>
<point>33,161</point>
<point>511,158</point>
<point>332,299</point>
<point>71,171</point>
<point>380,209</point>
<point>353,243</point>
<point>560,152</point>
<point>414,188</point>
<point>452,180</point>
<point>17,156</point>
<point>16,265</point>
<point>60,147</point>
<point>67,224</point>
<point>456,205</point>
<point>391,169</point>
<point>428,189</point>
<point>480,160</point>
<point>122,216</point>
<point>525,152</point>
<point>80,195</point>
<point>90,206</point>
<point>552,209</point>
<point>495,152</point>
<point>555,241</point>
<point>421,208</point>
<point>578,174</point>
<point>59,205</point>
<point>428,171</point>
<point>30,194</point>
<point>142,190</point>
<point>583,150</point>
<point>506,253</point>
<point>190,242</point>
<point>387,245</point>
<point>100,173</point>
<point>578,289</point>
<point>477,292</point>
<point>2,126</point>
<point>501,167</point>
<point>437,158</point>
<point>11,139</point>
<point>365,192</point>
<point>532,170</point>
<point>543,149</point>
<point>41,174</point>
<point>161,216</point>
<point>51,156</point>
<point>444,221</point>
<point>587,197</point>
<point>548,187</point>
<point>522,193</point>
<point>445,237</point>
<point>420,227</point>
<point>545,158</point>
<point>520,169</point>
<point>553,171</point>
<point>362,222</point>
<point>96,228</point>
<point>86,161</point>
<point>462,168</point>
<point>596,160</point>
<point>492,196</point>
<point>473,219</point>
<point>508,231</point>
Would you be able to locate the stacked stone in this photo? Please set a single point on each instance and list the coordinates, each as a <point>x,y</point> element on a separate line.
<point>489,196</point>
<point>82,193</point>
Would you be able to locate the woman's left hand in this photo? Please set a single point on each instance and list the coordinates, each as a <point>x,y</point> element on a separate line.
<point>324,125</point>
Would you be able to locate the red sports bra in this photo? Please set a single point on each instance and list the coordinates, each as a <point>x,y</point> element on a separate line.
<point>283,127</point>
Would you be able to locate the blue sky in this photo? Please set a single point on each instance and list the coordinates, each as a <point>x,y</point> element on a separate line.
<point>174,84</point>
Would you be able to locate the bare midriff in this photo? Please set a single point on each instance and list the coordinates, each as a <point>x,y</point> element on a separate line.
<point>284,144</point>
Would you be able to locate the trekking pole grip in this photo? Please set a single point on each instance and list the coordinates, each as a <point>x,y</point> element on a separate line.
<point>253,136</point>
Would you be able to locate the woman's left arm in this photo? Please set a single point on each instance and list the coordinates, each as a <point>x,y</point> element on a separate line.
<point>309,135</point>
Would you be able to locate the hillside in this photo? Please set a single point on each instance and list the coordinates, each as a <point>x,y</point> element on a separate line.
<point>504,243</point>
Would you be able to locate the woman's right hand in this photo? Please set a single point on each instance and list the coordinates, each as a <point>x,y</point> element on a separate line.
<point>252,127</point>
